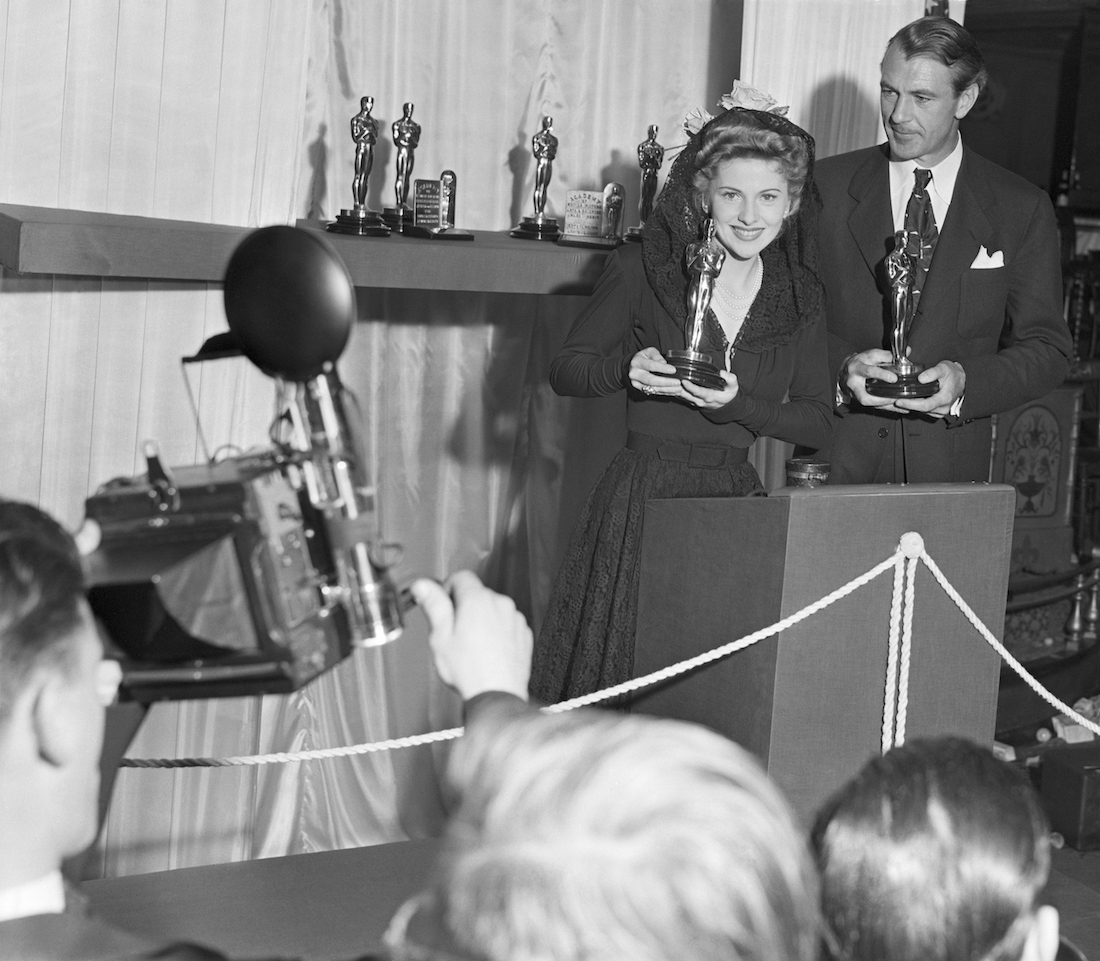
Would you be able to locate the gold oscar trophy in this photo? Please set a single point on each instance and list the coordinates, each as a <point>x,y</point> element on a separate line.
<point>903,302</point>
<point>705,259</point>
<point>406,137</point>
<point>544,145</point>
<point>650,157</point>
<point>360,219</point>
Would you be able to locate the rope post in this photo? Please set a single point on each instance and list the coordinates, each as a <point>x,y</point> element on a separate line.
<point>1075,624</point>
<point>895,702</point>
<point>1092,614</point>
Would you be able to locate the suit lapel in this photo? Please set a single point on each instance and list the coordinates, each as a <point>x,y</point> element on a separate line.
<point>871,220</point>
<point>967,228</point>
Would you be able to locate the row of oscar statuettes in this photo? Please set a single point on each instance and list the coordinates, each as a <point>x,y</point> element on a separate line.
<point>592,218</point>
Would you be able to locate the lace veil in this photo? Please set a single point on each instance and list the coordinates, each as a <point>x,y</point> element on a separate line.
<point>792,294</point>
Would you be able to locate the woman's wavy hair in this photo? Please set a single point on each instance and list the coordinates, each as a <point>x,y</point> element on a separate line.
<point>588,836</point>
<point>935,851</point>
<point>740,134</point>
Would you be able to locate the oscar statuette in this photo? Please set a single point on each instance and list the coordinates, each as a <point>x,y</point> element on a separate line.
<point>705,259</point>
<point>406,136</point>
<point>544,145</point>
<point>650,157</point>
<point>903,301</point>
<point>360,219</point>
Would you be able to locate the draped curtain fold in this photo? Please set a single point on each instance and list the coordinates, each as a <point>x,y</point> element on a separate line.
<point>237,112</point>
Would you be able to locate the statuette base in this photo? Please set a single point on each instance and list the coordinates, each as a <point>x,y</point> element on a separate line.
<point>599,243</point>
<point>697,367</point>
<point>539,227</point>
<point>436,233</point>
<point>906,387</point>
<point>361,222</point>
<point>398,218</point>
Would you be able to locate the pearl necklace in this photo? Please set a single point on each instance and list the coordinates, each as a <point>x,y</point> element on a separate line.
<point>741,305</point>
<point>735,310</point>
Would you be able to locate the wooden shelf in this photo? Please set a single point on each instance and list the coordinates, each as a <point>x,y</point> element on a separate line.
<point>493,261</point>
<point>45,240</point>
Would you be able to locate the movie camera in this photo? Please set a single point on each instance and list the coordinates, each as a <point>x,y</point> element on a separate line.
<point>254,573</point>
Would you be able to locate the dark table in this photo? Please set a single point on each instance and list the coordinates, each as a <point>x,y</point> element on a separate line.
<point>329,905</point>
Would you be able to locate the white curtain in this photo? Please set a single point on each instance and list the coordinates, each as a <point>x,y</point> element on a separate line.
<point>236,111</point>
<point>822,58</point>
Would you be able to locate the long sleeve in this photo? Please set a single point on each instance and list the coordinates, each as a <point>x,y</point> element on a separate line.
<point>806,418</point>
<point>595,359</point>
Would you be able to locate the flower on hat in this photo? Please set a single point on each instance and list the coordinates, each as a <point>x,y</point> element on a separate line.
<point>696,120</point>
<point>747,96</point>
<point>743,95</point>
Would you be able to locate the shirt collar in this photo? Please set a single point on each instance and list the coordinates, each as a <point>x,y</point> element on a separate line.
<point>45,895</point>
<point>941,188</point>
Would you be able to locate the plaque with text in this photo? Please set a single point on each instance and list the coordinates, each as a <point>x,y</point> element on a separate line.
<point>593,218</point>
<point>426,212</point>
<point>433,210</point>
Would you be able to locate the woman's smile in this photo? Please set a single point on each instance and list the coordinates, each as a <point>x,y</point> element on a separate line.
<point>749,200</point>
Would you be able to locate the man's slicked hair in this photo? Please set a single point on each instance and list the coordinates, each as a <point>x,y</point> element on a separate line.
<point>41,588</point>
<point>942,39</point>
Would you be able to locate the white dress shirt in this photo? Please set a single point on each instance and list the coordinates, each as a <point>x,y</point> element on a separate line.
<point>940,188</point>
<point>46,895</point>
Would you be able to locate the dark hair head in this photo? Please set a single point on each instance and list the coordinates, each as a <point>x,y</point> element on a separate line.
<point>743,134</point>
<point>942,39</point>
<point>41,588</point>
<point>935,851</point>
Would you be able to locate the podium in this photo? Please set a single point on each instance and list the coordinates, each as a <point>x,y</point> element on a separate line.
<point>809,701</point>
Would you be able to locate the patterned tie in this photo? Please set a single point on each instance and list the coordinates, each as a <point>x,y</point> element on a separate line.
<point>920,228</point>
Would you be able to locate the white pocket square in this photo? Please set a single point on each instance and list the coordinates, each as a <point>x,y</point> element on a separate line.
<point>986,260</point>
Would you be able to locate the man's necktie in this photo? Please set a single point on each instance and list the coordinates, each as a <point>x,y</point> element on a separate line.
<point>920,227</point>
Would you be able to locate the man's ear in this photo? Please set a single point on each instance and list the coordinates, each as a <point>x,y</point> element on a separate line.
<point>967,99</point>
<point>51,719</point>
<point>1042,938</point>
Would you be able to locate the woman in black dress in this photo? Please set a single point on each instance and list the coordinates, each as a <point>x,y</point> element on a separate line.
<point>749,174</point>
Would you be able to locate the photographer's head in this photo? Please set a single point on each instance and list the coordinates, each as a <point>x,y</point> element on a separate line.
<point>597,836</point>
<point>54,685</point>
<point>935,851</point>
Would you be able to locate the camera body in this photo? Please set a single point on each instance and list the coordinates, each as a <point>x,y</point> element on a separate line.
<point>217,582</point>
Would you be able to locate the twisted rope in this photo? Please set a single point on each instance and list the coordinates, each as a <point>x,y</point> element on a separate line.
<point>413,740</point>
<point>595,698</point>
<point>906,650</point>
<point>897,679</point>
<point>890,701</point>
<point>1022,671</point>
<point>674,670</point>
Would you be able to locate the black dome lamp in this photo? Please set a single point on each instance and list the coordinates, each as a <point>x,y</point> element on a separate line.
<point>290,301</point>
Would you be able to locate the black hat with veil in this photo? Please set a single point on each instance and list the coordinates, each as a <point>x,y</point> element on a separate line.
<point>792,294</point>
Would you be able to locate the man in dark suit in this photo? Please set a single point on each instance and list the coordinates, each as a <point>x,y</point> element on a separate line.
<point>54,687</point>
<point>988,317</point>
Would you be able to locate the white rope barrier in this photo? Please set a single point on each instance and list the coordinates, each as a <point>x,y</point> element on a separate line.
<point>895,711</point>
<point>890,701</point>
<point>906,651</point>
